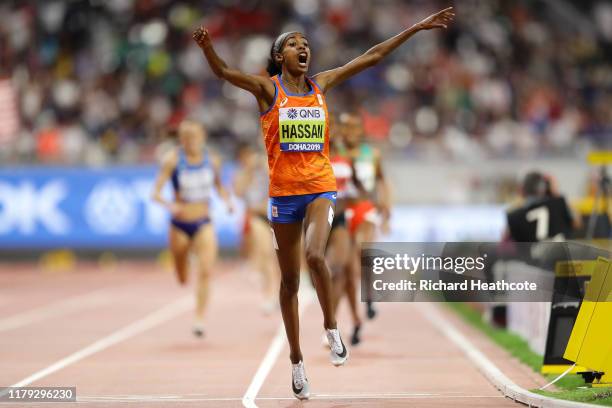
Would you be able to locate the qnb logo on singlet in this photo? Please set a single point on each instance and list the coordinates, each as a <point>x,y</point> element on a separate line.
<point>301,129</point>
<point>195,184</point>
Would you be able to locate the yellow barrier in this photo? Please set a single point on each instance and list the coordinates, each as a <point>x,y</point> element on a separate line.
<point>590,343</point>
<point>58,261</point>
<point>560,368</point>
<point>600,157</point>
<point>567,269</point>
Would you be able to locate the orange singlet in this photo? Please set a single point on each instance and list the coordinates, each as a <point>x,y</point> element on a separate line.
<point>296,134</point>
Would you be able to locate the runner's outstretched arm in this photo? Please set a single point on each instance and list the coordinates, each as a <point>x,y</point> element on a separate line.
<point>333,77</point>
<point>261,87</point>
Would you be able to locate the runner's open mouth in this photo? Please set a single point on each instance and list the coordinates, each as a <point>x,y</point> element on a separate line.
<point>303,58</point>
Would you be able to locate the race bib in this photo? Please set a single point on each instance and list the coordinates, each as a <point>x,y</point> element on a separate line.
<point>301,129</point>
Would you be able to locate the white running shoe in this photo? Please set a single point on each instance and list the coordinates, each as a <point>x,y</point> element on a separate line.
<point>198,329</point>
<point>299,382</point>
<point>339,353</point>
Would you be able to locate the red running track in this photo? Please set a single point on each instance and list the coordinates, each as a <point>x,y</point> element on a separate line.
<point>122,337</point>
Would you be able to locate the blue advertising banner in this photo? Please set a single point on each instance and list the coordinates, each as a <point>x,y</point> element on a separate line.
<point>110,208</point>
<point>91,208</point>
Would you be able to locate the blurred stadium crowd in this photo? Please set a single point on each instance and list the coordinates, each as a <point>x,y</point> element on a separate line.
<point>101,81</point>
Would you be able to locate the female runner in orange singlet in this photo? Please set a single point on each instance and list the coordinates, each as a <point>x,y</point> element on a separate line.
<point>294,121</point>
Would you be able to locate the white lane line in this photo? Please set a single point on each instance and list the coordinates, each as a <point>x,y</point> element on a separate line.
<point>322,397</point>
<point>446,327</point>
<point>56,309</point>
<point>278,342</point>
<point>156,318</point>
<point>490,371</point>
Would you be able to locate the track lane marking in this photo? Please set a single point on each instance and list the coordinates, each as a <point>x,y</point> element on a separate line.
<point>277,345</point>
<point>488,369</point>
<point>56,309</point>
<point>151,320</point>
<point>321,397</point>
<point>476,357</point>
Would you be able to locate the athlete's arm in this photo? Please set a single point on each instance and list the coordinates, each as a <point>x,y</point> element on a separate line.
<point>262,88</point>
<point>168,165</point>
<point>333,77</point>
<point>382,188</point>
<point>363,193</point>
